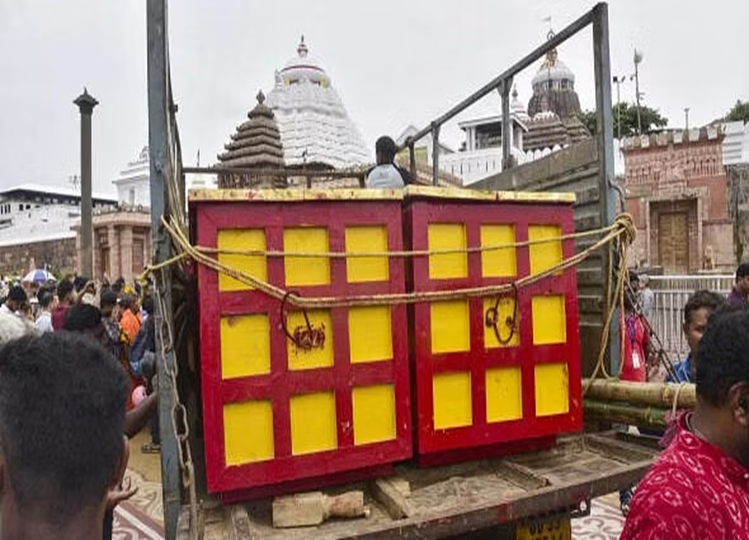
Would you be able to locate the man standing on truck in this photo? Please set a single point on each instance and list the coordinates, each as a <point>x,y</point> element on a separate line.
<point>699,487</point>
<point>387,175</point>
<point>740,292</point>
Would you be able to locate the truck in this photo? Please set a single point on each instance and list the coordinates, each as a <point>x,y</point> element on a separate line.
<point>531,495</point>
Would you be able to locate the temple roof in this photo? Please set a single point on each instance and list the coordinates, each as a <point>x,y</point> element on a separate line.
<point>256,142</point>
<point>314,125</point>
<point>554,88</point>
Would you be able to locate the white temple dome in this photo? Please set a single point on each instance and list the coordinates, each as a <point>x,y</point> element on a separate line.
<point>315,127</point>
<point>553,70</point>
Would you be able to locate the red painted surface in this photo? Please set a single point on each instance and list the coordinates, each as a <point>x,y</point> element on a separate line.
<point>419,214</point>
<point>281,384</point>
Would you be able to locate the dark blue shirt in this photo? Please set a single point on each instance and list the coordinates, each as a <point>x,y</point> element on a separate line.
<point>683,371</point>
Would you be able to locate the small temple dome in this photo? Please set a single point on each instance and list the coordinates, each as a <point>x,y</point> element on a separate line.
<point>256,144</point>
<point>517,107</point>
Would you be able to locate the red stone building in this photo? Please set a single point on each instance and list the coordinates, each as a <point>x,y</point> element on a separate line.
<point>676,190</point>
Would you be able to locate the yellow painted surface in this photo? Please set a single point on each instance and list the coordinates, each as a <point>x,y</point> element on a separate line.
<point>251,196</point>
<point>245,345</point>
<point>456,193</point>
<point>506,309</point>
<point>552,389</point>
<point>248,432</point>
<point>447,236</point>
<point>549,319</point>
<point>313,358</point>
<point>500,262</point>
<point>547,254</point>
<point>366,240</point>
<point>313,423</point>
<point>504,395</point>
<point>241,240</point>
<point>374,414</point>
<point>306,270</point>
<point>370,334</point>
<point>451,330</point>
<point>452,400</point>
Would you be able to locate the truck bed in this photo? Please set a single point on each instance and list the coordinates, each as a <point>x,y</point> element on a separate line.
<point>459,499</point>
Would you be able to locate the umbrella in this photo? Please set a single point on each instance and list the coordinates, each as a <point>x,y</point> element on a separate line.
<point>38,276</point>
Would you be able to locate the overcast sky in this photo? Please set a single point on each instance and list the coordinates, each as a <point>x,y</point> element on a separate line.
<point>392,62</point>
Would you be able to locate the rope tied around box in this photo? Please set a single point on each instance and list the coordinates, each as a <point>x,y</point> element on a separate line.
<point>491,317</point>
<point>617,236</point>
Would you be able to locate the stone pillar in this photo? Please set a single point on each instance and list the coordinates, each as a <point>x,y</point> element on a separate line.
<point>86,104</point>
<point>126,252</point>
<point>114,253</point>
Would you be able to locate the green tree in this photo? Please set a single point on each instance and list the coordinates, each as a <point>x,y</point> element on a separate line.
<point>739,112</point>
<point>651,119</point>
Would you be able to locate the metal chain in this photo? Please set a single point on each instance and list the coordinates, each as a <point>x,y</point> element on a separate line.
<point>180,426</point>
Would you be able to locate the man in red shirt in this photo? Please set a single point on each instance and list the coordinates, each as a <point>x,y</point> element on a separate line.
<point>65,297</point>
<point>699,487</point>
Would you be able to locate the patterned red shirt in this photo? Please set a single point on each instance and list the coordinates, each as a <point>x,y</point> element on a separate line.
<point>694,491</point>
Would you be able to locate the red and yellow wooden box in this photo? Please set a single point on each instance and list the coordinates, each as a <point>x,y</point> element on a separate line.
<point>275,413</point>
<point>474,390</point>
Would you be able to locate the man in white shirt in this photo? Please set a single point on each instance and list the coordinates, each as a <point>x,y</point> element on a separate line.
<point>387,175</point>
<point>16,299</point>
<point>44,321</point>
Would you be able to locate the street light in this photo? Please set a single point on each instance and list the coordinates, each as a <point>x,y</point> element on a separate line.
<point>618,82</point>
<point>637,59</point>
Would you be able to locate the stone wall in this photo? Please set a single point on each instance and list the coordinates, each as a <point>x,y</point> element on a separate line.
<point>738,209</point>
<point>59,255</point>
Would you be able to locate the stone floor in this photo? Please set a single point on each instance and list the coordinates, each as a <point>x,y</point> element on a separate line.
<point>141,518</point>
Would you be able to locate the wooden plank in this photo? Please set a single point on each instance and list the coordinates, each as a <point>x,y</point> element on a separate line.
<point>294,195</point>
<point>488,195</point>
<point>397,506</point>
<point>620,451</point>
<point>521,475</point>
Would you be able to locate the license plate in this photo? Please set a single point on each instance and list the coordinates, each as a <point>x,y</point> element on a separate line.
<point>545,529</point>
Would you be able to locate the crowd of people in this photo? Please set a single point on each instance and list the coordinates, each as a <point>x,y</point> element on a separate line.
<point>699,486</point>
<point>72,353</point>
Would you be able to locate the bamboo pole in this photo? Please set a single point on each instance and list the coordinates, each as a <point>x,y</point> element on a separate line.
<point>653,417</point>
<point>635,393</point>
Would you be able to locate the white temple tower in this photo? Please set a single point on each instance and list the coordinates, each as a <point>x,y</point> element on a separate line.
<point>315,129</point>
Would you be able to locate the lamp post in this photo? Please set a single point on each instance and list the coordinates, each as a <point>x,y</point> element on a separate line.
<point>86,104</point>
<point>637,59</point>
<point>618,82</point>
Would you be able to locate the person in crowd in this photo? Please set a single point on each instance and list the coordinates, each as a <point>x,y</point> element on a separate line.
<point>130,318</point>
<point>65,298</point>
<point>740,291</point>
<point>15,302</point>
<point>697,312</point>
<point>87,320</point>
<point>142,359</point>
<point>699,487</point>
<point>647,298</point>
<point>387,175</point>
<point>13,327</point>
<point>55,482</point>
<point>43,323</point>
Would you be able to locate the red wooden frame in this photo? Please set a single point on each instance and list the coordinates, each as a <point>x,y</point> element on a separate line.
<point>281,383</point>
<point>419,214</point>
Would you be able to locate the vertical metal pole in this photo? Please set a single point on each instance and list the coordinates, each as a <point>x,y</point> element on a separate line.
<point>435,153</point>
<point>637,94</point>
<point>504,91</point>
<point>412,161</point>
<point>86,104</point>
<point>158,143</point>
<point>605,135</point>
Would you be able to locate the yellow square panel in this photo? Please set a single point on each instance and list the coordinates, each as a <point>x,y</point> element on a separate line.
<point>498,262</point>
<point>552,389</point>
<point>248,432</point>
<point>370,334</point>
<point>506,313</point>
<point>306,270</point>
<point>504,395</point>
<point>451,328</point>
<point>447,236</point>
<point>366,240</point>
<point>451,393</point>
<point>241,240</point>
<point>549,319</point>
<point>318,357</point>
<point>546,254</point>
<point>245,346</point>
<point>374,414</point>
<point>313,423</point>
